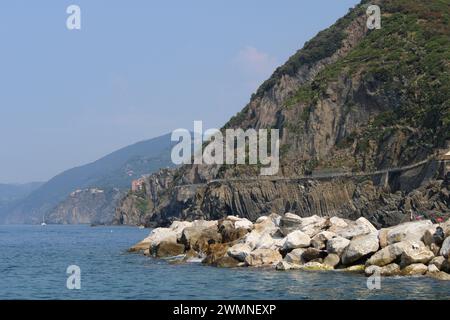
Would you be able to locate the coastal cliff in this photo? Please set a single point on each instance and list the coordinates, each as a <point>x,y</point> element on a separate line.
<point>351,100</point>
<point>419,190</point>
<point>87,206</point>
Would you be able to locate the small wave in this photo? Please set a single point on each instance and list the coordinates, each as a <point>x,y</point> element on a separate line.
<point>194,260</point>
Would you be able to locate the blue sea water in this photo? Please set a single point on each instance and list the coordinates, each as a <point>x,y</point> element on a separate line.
<point>34,259</point>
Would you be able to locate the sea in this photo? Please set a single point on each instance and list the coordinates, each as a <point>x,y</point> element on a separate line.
<point>35,260</point>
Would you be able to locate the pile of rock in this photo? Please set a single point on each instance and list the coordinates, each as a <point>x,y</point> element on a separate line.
<point>313,243</point>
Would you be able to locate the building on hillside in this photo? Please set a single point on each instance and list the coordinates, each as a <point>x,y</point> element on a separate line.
<point>137,185</point>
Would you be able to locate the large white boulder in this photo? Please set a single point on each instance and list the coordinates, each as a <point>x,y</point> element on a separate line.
<point>407,231</point>
<point>264,234</point>
<point>337,245</point>
<point>315,219</point>
<point>289,223</point>
<point>336,223</point>
<point>233,218</point>
<point>252,238</point>
<point>362,226</point>
<point>309,225</point>
<point>292,216</point>
<point>161,234</point>
<point>263,257</point>
<point>265,241</point>
<point>388,254</point>
<point>204,223</point>
<point>296,239</point>
<point>275,218</point>
<point>389,270</point>
<point>313,225</point>
<point>262,240</point>
<point>359,247</point>
<point>178,227</point>
<point>415,269</point>
<point>239,251</point>
<point>243,223</point>
<point>416,253</point>
<point>364,222</point>
<point>266,226</point>
<point>261,219</point>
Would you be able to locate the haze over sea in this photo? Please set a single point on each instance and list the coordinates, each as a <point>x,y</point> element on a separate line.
<point>34,259</point>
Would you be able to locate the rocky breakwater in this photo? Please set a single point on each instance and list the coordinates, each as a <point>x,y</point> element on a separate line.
<point>289,242</point>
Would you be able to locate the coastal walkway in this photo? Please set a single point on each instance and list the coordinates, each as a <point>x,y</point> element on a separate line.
<point>385,173</point>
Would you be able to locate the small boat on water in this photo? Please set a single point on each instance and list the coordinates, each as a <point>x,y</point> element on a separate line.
<point>43,221</point>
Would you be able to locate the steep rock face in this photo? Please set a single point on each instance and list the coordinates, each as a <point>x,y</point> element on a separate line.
<point>348,198</point>
<point>135,208</point>
<point>350,100</point>
<point>380,99</point>
<point>88,206</point>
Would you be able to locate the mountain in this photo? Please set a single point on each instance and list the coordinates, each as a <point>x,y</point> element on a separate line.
<point>114,171</point>
<point>86,206</point>
<point>11,194</point>
<point>351,100</point>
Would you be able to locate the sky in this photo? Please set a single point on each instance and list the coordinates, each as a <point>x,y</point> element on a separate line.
<point>135,70</point>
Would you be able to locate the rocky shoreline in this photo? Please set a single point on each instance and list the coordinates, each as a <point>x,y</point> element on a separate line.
<point>289,242</point>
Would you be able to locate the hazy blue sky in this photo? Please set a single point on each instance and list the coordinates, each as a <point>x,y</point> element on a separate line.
<point>137,69</point>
